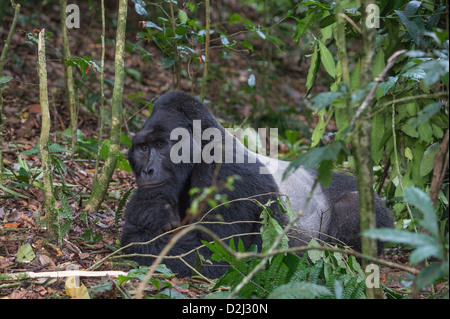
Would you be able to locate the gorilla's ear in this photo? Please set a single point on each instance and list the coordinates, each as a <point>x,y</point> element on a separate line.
<point>130,157</point>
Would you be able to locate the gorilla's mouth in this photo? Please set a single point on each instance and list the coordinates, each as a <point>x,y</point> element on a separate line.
<point>149,185</point>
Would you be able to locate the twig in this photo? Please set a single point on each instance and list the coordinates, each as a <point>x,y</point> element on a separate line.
<point>407,99</point>
<point>166,250</point>
<point>397,166</point>
<point>10,34</point>
<point>352,252</point>
<point>440,167</point>
<point>68,76</point>
<point>51,216</point>
<point>60,274</point>
<point>2,64</point>
<point>205,67</point>
<point>346,17</point>
<point>102,95</point>
<point>378,79</point>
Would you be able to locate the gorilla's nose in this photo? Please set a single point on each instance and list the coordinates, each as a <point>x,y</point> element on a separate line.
<point>150,172</point>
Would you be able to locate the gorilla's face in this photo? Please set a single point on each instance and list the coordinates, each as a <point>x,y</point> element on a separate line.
<point>150,150</point>
<point>149,155</point>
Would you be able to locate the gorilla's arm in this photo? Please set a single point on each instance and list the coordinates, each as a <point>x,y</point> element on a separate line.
<point>149,218</point>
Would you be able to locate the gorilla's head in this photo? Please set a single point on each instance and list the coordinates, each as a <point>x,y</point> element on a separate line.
<point>150,154</point>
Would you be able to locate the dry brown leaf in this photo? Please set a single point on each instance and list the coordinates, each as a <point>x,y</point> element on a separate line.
<point>12,225</point>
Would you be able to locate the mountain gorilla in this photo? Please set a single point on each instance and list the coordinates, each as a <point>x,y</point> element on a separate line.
<point>162,198</point>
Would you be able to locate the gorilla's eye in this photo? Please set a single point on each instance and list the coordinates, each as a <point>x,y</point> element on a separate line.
<point>159,145</point>
<point>144,147</point>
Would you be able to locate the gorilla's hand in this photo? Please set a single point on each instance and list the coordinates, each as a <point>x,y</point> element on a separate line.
<point>153,216</point>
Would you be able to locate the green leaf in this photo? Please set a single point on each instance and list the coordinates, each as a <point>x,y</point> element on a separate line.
<point>427,163</point>
<point>312,72</point>
<point>400,237</point>
<point>299,290</point>
<point>411,8</point>
<point>25,253</point>
<point>56,148</point>
<point>182,16</point>
<point>411,27</point>
<point>224,40</point>
<point>386,86</point>
<point>327,21</point>
<point>425,132</point>
<point>319,129</point>
<point>324,173</point>
<point>412,108</point>
<point>415,54</point>
<point>251,80</point>
<point>415,74</point>
<point>261,34</point>
<point>428,112</point>
<point>235,18</point>
<point>324,99</point>
<point>327,31</point>
<point>426,251</point>
<point>314,254</point>
<point>315,156</point>
<point>167,63</point>
<point>270,232</point>
<point>5,79</point>
<point>415,196</point>
<point>327,59</point>
<point>408,153</point>
<point>14,193</point>
<point>139,6</point>
<point>434,69</point>
<point>430,274</point>
<point>409,128</point>
<point>150,24</point>
<point>302,25</point>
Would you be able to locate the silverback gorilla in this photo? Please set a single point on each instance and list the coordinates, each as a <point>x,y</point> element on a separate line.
<point>162,197</point>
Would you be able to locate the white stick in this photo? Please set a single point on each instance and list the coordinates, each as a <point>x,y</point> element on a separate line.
<point>61,274</point>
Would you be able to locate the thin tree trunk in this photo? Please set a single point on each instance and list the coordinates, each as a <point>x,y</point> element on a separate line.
<point>102,96</point>
<point>205,68</point>
<point>68,75</point>
<point>2,64</point>
<point>362,151</point>
<point>51,217</point>
<point>177,69</point>
<point>100,186</point>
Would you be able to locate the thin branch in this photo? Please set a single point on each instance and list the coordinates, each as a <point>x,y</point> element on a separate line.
<point>407,99</point>
<point>397,166</point>
<point>60,274</point>
<point>367,101</point>
<point>346,17</point>
<point>102,95</point>
<point>439,168</point>
<point>2,64</point>
<point>207,35</point>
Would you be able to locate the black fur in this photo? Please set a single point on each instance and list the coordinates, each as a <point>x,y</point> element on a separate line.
<point>156,207</point>
<point>151,210</point>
